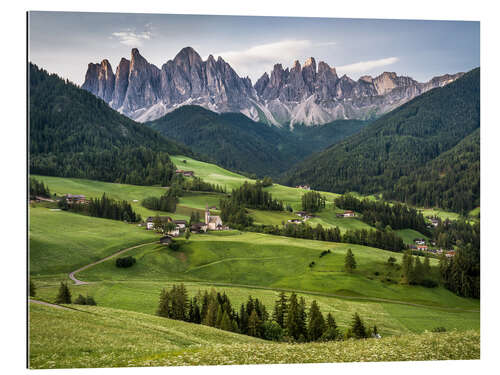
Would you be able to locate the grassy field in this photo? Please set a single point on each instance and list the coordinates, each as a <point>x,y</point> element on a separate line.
<point>328,218</point>
<point>276,262</point>
<point>102,337</point>
<point>95,189</point>
<point>230,180</point>
<point>62,241</point>
<point>408,235</point>
<point>390,318</point>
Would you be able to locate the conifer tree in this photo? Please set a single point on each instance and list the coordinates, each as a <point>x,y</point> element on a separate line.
<point>331,331</point>
<point>292,320</point>
<point>64,295</point>
<point>316,324</point>
<point>418,271</point>
<point>32,289</point>
<point>407,268</point>
<point>350,262</point>
<point>303,318</point>
<point>254,324</point>
<point>427,266</point>
<point>225,323</point>
<point>357,327</point>
<point>280,310</point>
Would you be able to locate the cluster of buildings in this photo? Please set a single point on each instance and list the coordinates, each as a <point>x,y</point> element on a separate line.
<point>420,244</point>
<point>212,222</point>
<point>75,199</point>
<point>305,187</point>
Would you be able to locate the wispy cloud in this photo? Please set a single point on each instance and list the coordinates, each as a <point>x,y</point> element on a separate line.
<point>133,38</point>
<point>366,66</point>
<point>260,58</point>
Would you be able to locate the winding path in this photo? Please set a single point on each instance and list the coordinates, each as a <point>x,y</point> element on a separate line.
<point>80,282</point>
<point>340,296</point>
<point>48,304</point>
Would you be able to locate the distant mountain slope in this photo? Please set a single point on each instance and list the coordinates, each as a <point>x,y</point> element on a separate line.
<point>235,142</point>
<point>75,134</point>
<point>396,144</point>
<point>450,181</point>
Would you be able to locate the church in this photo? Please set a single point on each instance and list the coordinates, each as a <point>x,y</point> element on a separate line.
<point>213,222</point>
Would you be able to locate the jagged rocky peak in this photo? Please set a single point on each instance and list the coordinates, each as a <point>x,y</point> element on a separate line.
<point>309,94</point>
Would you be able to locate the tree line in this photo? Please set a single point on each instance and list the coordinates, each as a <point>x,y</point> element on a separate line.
<point>253,196</point>
<point>312,201</point>
<point>38,189</point>
<point>381,239</point>
<point>104,207</point>
<point>382,214</point>
<point>290,319</point>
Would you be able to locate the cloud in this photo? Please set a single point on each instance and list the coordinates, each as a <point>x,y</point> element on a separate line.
<point>366,66</point>
<point>132,38</point>
<point>257,59</point>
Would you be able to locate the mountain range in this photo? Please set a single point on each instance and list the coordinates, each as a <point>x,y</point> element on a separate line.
<point>312,94</point>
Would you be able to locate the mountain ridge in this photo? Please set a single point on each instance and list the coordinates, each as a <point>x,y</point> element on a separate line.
<point>311,94</point>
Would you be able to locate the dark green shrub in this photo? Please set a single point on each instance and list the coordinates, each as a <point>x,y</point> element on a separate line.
<point>125,262</point>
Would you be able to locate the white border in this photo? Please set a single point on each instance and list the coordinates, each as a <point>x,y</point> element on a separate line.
<point>13,74</point>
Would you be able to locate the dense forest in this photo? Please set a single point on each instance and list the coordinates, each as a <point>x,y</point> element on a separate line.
<point>38,189</point>
<point>253,196</point>
<point>398,143</point>
<point>291,320</point>
<point>75,134</point>
<point>450,181</point>
<point>235,142</point>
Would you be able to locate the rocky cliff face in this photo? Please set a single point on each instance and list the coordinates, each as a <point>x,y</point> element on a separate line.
<point>311,94</point>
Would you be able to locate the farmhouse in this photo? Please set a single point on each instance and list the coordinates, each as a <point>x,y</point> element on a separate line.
<point>450,253</point>
<point>434,222</point>
<point>295,221</point>
<point>75,199</point>
<point>198,227</point>
<point>419,241</point>
<point>347,213</point>
<point>150,221</point>
<point>422,247</point>
<point>305,187</point>
<point>185,173</point>
<point>181,224</point>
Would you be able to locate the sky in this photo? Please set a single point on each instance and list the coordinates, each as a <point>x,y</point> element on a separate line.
<point>65,42</point>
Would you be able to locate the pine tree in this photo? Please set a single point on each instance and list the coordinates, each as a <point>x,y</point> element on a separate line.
<point>357,327</point>
<point>427,267</point>
<point>165,304</point>
<point>280,310</point>
<point>32,289</point>
<point>292,324</point>
<point>302,317</point>
<point>407,268</point>
<point>418,271</point>
<point>225,323</point>
<point>350,262</point>
<point>316,324</point>
<point>187,234</point>
<point>254,324</point>
<point>64,295</point>
<point>331,331</point>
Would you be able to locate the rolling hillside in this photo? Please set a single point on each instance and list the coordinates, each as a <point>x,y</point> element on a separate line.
<point>75,134</point>
<point>234,141</point>
<point>396,144</point>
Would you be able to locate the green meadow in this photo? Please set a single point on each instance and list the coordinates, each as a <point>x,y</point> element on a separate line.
<point>90,336</point>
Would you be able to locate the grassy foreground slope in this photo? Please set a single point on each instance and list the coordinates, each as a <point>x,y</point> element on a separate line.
<point>60,241</point>
<point>101,337</point>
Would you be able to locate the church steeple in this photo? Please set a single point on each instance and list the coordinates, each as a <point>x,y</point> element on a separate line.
<point>207,214</point>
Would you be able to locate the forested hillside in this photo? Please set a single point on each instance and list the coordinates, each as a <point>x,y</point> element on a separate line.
<point>235,142</point>
<point>397,144</point>
<point>75,134</point>
<point>450,181</point>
